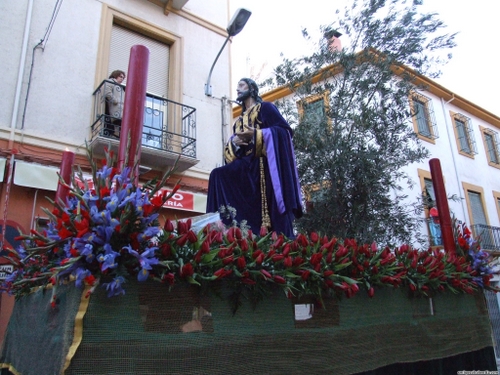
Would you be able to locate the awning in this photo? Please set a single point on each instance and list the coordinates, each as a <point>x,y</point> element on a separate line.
<point>2,168</point>
<point>39,176</point>
<point>36,176</point>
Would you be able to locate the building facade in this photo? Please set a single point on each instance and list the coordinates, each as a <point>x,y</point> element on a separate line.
<point>464,137</point>
<point>57,59</point>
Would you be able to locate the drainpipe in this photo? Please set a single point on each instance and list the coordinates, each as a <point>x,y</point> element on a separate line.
<point>7,193</point>
<point>17,97</point>
<point>443,103</point>
<point>33,210</point>
<point>133,111</point>
<point>223,124</point>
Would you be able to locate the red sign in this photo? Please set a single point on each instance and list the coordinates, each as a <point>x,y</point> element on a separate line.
<point>181,200</point>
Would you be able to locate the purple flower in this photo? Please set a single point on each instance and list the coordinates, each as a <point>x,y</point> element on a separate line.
<point>143,275</point>
<point>150,232</point>
<point>108,260</point>
<point>123,176</point>
<point>87,252</point>
<point>80,274</point>
<point>146,260</point>
<point>114,288</point>
<point>104,173</point>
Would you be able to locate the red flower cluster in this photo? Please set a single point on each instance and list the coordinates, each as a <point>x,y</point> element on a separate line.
<point>310,265</point>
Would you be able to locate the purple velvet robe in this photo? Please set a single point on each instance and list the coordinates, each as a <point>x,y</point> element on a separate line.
<point>237,184</point>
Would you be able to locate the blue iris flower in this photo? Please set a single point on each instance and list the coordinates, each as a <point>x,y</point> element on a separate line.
<point>150,232</point>
<point>80,274</point>
<point>108,260</point>
<point>142,275</point>
<point>146,260</point>
<point>21,251</point>
<point>67,249</point>
<point>123,176</point>
<point>115,288</point>
<point>104,173</point>
<point>87,252</point>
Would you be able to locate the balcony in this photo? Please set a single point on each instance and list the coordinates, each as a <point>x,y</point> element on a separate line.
<point>488,236</point>
<point>169,129</point>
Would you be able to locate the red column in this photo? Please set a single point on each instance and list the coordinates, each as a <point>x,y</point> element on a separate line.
<point>442,206</point>
<point>133,109</point>
<point>66,169</point>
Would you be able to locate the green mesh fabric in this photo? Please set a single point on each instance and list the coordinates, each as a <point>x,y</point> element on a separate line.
<point>153,331</point>
<point>39,336</point>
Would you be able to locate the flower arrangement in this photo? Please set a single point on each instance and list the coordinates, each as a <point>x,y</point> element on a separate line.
<point>103,232</point>
<point>109,233</point>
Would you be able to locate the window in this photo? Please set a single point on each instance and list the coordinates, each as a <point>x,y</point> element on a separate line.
<point>464,134</point>
<point>496,196</point>
<point>431,213</point>
<point>314,108</point>
<point>491,145</point>
<point>478,217</point>
<point>424,122</point>
<point>476,206</point>
<point>120,31</point>
<point>152,132</point>
<point>429,187</point>
<point>474,196</point>
<point>122,40</point>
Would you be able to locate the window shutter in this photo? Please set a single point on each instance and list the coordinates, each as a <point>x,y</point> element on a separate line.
<point>423,127</point>
<point>123,39</point>
<point>476,206</point>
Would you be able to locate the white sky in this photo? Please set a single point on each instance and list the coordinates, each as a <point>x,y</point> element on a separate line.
<point>275,27</point>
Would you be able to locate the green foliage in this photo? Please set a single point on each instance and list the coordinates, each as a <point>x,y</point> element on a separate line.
<point>352,156</point>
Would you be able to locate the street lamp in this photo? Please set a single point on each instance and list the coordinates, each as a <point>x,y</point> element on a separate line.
<point>236,24</point>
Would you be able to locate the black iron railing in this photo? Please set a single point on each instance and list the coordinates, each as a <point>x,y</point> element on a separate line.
<point>494,313</point>
<point>488,236</point>
<point>168,125</point>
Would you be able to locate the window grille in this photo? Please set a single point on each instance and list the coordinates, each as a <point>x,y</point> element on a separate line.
<point>315,110</point>
<point>491,141</point>
<point>465,134</point>
<point>424,116</point>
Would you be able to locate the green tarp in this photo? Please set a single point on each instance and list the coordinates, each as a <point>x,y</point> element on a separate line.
<point>153,331</point>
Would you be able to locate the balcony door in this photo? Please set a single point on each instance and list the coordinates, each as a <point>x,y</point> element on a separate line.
<point>122,40</point>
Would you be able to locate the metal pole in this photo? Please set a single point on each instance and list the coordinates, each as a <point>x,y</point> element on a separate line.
<point>66,170</point>
<point>133,110</point>
<point>208,87</point>
<point>7,194</point>
<point>442,206</point>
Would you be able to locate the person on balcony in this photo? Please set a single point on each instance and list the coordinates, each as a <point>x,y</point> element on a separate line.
<point>260,180</point>
<point>114,95</point>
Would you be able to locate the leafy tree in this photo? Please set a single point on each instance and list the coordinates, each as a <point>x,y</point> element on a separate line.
<point>351,152</point>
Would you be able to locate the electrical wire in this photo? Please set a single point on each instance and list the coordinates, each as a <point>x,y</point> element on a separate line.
<point>41,44</point>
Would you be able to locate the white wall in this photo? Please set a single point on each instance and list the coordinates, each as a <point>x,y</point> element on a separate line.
<point>458,168</point>
<point>59,107</point>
